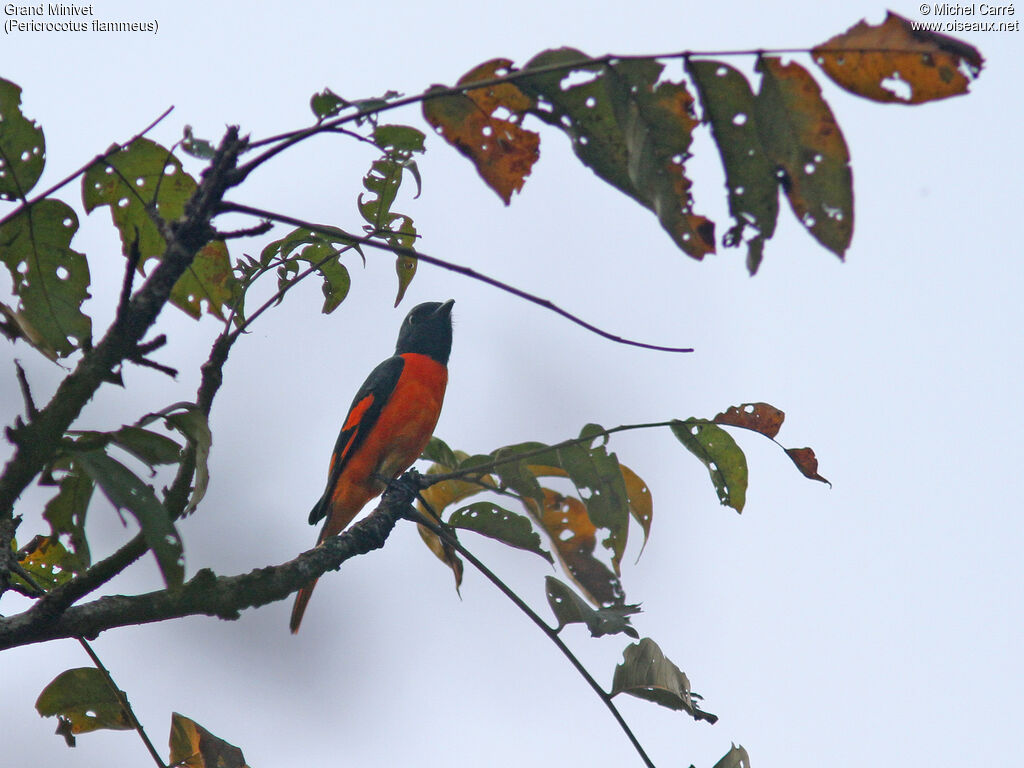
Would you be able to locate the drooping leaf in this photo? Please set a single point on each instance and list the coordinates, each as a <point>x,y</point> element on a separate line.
<point>316,249</point>
<point>150,447</point>
<point>574,538</point>
<point>645,672</point>
<point>641,506</point>
<point>49,563</point>
<point>145,176</point>
<point>502,151</point>
<point>631,128</point>
<point>191,422</point>
<point>405,268</point>
<point>599,482</point>
<point>736,757</point>
<point>803,140</point>
<point>728,104</point>
<point>806,462</point>
<point>84,699</point>
<point>65,513</point>
<point>22,146</point>
<point>725,461</point>
<point>500,524</point>
<point>759,417</point>
<point>49,278</point>
<point>126,491</point>
<point>444,552</point>
<point>570,608</point>
<point>894,63</point>
<point>192,746</point>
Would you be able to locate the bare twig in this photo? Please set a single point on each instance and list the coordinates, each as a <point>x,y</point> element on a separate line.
<point>451,267</point>
<point>122,699</point>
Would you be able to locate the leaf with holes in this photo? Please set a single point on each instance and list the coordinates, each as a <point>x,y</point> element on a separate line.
<point>84,699</point>
<point>574,538</point>
<point>126,491</point>
<point>192,746</point>
<point>759,417</point>
<point>641,506</point>
<point>807,463</point>
<point>631,129</point>
<point>498,523</point>
<point>646,673</point>
<point>22,146</point>
<point>320,251</point>
<point>65,512</point>
<point>145,177</point>
<point>49,563</point>
<point>570,608</point>
<point>728,104</point>
<point>803,140</point>
<point>725,461</point>
<point>49,278</point>
<point>483,124</point>
<point>895,63</point>
<point>736,757</point>
<point>599,483</point>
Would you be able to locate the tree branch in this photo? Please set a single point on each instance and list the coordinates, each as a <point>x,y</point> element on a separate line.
<point>207,594</point>
<point>451,267</point>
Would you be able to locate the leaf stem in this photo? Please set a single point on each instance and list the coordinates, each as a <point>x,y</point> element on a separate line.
<point>551,633</point>
<point>126,707</point>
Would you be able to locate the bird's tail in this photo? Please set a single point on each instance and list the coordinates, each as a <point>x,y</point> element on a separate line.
<point>301,599</point>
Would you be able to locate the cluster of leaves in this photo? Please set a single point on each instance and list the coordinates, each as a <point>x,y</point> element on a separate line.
<point>606,497</point>
<point>634,128</point>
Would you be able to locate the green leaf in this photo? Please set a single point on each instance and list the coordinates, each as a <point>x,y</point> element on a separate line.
<point>632,129</point>
<point>149,447</point>
<point>803,140</point>
<point>725,461</point>
<point>199,148</point>
<point>83,697</point>
<point>192,746</point>
<point>145,176</point>
<point>736,757</point>
<point>65,512</point>
<point>317,250</point>
<point>516,475</point>
<point>126,491</point>
<point>599,483</point>
<point>749,175</point>
<point>500,524</point>
<point>191,422</point>
<point>646,673</point>
<point>399,137</point>
<point>326,104</point>
<point>570,608</point>
<point>50,279</point>
<point>22,146</point>
<point>437,451</point>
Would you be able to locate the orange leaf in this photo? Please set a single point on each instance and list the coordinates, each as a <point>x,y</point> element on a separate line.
<point>574,538</point>
<point>760,417</point>
<point>502,151</point>
<point>895,63</point>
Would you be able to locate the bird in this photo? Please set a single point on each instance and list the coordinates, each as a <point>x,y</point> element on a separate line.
<point>389,423</point>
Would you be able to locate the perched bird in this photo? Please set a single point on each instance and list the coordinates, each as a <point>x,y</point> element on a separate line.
<point>388,424</point>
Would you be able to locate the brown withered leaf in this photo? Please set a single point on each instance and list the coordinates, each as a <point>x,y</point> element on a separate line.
<point>574,538</point>
<point>807,463</point>
<point>502,151</point>
<point>760,417</point>
<point>192,746</point>
<point>892,62</point>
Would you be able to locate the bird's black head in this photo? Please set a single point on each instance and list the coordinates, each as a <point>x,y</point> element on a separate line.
<point>427,330</point>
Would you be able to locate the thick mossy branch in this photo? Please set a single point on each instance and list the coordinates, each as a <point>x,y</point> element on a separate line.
<point>206,594</point>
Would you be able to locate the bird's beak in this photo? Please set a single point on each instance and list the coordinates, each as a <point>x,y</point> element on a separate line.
<point>446,308</point>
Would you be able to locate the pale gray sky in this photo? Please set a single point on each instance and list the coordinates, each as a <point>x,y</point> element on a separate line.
<point>874,623</point>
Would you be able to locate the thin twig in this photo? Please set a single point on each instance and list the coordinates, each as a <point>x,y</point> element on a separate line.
<point>443,533</point>
<point>30,406</point>
<point>122,699</point>
<point>227,206</point>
